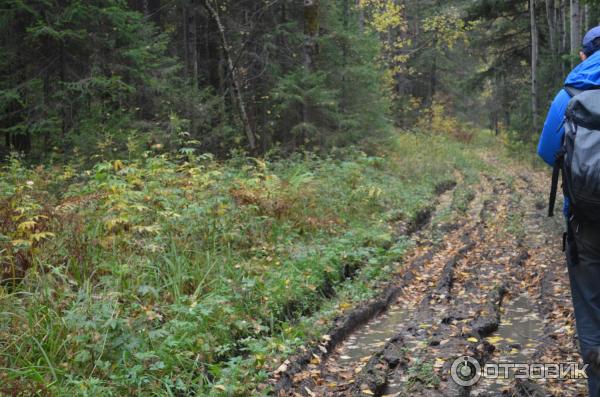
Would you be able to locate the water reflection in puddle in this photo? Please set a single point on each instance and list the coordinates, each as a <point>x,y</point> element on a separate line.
<point>373,336</point>
<point>516,341</point>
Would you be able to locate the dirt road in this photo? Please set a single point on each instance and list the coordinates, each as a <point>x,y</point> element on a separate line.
<point>487,281</point>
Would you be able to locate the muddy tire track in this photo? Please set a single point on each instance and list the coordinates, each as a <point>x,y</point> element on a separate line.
<point>292,374</point>
<point>434,289</point>
<point>546,278</point>
<point>470,313</point>
<point>449,301</point>
<point>427,284</point>
<point>542,277</point>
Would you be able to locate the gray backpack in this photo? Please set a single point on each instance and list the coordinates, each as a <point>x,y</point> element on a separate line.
<point>579,157</point>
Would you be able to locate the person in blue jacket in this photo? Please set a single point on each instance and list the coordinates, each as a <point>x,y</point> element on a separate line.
<point>583,242</point>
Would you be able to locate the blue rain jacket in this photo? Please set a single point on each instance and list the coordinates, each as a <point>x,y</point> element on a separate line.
<point>585,76</point>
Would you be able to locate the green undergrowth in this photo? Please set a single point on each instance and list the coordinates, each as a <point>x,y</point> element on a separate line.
<point>180,275</point>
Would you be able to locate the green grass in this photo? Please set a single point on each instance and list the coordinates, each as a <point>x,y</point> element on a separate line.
<point>181,275</point>
<point>421,375</point>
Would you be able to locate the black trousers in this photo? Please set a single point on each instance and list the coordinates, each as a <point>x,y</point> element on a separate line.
<point>584,275</point>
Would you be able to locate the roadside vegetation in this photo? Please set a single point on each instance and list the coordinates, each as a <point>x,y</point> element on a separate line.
<point>169,274</point>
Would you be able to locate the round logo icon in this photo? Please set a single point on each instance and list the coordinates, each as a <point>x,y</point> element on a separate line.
<point>465,371</point>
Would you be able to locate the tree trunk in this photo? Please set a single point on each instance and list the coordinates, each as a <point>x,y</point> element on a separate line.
<point>193,42</point>
<point>46,102</point>
<point>575,31</point>
<point>551,18</point>
<point>187,61</point>
<point>361,17</point>
<point>534,63</point>
<point>563,26</point>
<point>154,8</point>
<point>593,16</point>
<point>562,23</point>
<point>311,32</point>
<point>433,74</point>
<point>234,76</point>
<point>65,124</point>
<point>346,8</point>
<point>184,36</point>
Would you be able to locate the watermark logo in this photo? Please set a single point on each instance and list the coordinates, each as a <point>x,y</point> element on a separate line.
<point>466,371</point>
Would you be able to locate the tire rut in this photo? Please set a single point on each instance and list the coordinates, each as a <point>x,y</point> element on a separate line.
<point>470,312</point>
<point>546,278</point>
<point>542,277</point>
<point>451,299</point>
<point>299,372</point>
<point>418,303</point>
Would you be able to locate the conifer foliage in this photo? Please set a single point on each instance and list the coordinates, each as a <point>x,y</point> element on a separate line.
<point>77,77</point>
<point>224,74</point>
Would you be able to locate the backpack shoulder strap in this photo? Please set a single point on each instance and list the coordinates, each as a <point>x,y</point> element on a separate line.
<point>558,163</point>
<point>558,160</point>
<point>572,91</point>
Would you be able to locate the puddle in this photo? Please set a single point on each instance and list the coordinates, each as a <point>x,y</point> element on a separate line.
<point>516,341</point>
<point>373,336</point>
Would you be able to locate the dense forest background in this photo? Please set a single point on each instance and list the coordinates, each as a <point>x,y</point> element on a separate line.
<point>108,77</point>
<point>192,190</point>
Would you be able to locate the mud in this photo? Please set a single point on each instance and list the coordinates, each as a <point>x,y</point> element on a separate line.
<point>494,288</point>
<point>347,324</point>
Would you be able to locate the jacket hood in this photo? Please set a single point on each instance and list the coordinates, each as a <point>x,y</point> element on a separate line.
<point>586,74</point>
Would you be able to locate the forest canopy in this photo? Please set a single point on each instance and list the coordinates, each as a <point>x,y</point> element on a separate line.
<point>103,77</point>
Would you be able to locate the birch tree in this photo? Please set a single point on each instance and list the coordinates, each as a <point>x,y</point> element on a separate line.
<point>234,75</point>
